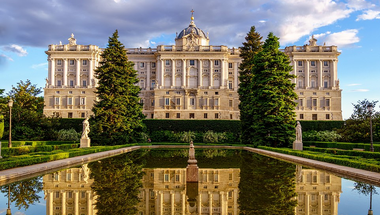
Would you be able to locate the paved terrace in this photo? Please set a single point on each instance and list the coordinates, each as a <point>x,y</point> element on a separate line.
<point>11,175</point>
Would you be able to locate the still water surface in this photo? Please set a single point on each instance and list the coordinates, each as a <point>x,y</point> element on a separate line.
<point>153,182</point>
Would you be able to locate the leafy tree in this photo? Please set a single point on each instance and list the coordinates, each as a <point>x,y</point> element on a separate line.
<point>267,186</point>
<point>271,106</point>
<point>27,111</point>
<point>24,193</point>
<point>1,127</point>
<point>118,113</point>
<point>116,183</point>
<point>249,49</point>
<point>357,127</point>
<point>3,102</point>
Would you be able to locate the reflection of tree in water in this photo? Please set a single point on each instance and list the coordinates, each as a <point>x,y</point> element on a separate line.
<point>366,189</point>
<point>24,193</point>
<point>267,186</point>
<point>116,183</point>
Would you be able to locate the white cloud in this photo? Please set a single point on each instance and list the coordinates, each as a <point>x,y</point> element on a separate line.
<point>341,39</point>
<point>360,90</point>
<point>351,85</point>
<point>6,57</point>
<point>117,1</point>
<point>359,4</point>
<point>15,49</point>
<point>369,15</point>
<point>152,42</point>
<point>37,66</point>
<point>262,21</point>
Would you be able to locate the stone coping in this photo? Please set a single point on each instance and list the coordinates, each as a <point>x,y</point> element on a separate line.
<point>11,175</point>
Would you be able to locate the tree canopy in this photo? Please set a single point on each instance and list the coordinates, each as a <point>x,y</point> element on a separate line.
<point>118,113</point>
<point>271,104</point>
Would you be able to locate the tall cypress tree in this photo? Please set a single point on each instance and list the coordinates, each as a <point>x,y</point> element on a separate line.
<point>118,113</point>
<point>273,97</point>
<point>249,49</point>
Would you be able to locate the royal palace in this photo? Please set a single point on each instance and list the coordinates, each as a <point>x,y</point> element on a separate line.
<point>189,80</point>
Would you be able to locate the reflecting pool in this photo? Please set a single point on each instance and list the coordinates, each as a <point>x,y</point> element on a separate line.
<point>152,182</point>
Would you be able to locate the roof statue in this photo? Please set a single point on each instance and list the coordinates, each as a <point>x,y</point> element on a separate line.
<point>72,40</point>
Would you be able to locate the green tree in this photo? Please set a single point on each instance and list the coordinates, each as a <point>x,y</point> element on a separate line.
<point>357,127</point>
<point>27,111</point>
<point>118,113</point>
<point>116,183</point>
<point>249,49</point>
<point>267,186</point>
<point>1,126</point>
<point>272,104</point>
<point>3,102</point>
<point>24,193</point>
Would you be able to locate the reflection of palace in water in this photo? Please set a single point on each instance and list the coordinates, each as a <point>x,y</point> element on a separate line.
<point>318,192</point>
<point>165,191</point>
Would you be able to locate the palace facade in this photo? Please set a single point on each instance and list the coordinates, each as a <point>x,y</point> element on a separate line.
<point>189,80</point>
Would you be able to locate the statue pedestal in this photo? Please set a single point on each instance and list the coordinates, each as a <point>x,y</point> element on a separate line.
<point>192,173</point>
<point>85,142</point>
<point>297,145</point>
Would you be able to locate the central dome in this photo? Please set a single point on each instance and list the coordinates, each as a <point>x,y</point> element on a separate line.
<point>192,29</point>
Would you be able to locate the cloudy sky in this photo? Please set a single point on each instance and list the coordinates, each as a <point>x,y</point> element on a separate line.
<point>27,27</point>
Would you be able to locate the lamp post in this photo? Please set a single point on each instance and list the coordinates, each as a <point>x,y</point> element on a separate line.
<point>370,107</point>
<point>9,202</point>
<point>370,212</point>
<point>10,104</point>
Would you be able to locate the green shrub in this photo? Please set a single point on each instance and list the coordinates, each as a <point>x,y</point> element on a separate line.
<point>68,135</point>
<point>323,125</point>
<point>1,126</point>
<point>210,137</point>
<point>326,136</point>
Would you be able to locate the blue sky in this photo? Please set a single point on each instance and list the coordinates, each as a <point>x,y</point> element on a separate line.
<point>28,27</point>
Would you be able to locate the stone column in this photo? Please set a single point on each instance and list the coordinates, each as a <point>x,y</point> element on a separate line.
<point>211,75</point>
<point>172,202</point>
<point>157,202</point>
<point>235,201</point>
<point>158,71</point>
<point>295,72</point>
<point>184,73</point>
<point>210,202</point>
<point>63,200</point>
<point>50,205</point>
<point>236,72</point>
<point>173,74</point>
<point>200,203</point>
<point>64,72</point>
<point>200,68</point>
<point>89,202</point>
<point>320,203</point>
<point>320,76</point>
<point>147,84</point>
<point>333,203</point>
<point>222,75</point>
<point>77,74</point>
<point>76,202</point>
<point>147,193</point>
<point>90,72</point>
<point>162,74</point>
<point>161,202</point>
<point>183,202</point>
<point>307,75</point>
<point>307,203</point>
<point>334,73</point>
<point>52,71</point>
<point>223,202</point>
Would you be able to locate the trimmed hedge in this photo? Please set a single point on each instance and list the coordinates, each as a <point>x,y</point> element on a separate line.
<point>363,154</point>
<point>41,157</point>
<point>343,160</point>
<point>16,151</point>
<point>316,125</point>
<point>4,144</point>
<point>342,145</point>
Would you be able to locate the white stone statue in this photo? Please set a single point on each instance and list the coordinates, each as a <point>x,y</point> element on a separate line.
<point>86,129</point>
<point>191,151</point>
<point>298,132</point>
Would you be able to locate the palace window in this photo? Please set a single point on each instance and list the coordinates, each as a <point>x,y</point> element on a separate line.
<point>327,116</point>
<point>72,62</point>
<point>217,70</point>
<point>312,63</point>
<point>59,83</point>
<point>314,102</point>
<point>70,115</point>
<point>216,62</point>
<point>314,117</point>
<point>82,115</point>
<point>178,115</point>
<point>84,83</point>
<point>178,100</point>
<point>84,62</point>
<point>71,83</point>
<point>191,115</point>
<point>300,71</point>
<point>230,85</point>
<point>167,62</point>
<point>192,63</point>
<point>312,83</point>
<point>325,63</point>
<point>205,115</point>
<point>153,64</point>
<point>299,63</point>
<point>328,102</point>
<point>301,116</point>
<point>230,103</point>
<point>192,101</point>
<point>230,65</point>
<point>216,115</point>
<point>325,84</point>
<point>142,64</point>
<point>167,115</point>
<point>59,62</point>
<point>167,101</point>
<point>166,177</point>
<point>57,101</point>
<point>301,102</point>
<point>70,101</point>
<point>216,102</point>
<point>82,101</point>
<point>153,83</point>
<point>313,71</point>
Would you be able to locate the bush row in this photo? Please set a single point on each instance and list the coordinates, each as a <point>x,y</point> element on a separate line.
<point>328,158</point>
<point>199,137</point>
<point>342,145</point>
<point>26,160</point>
<point>363,154</point>
<point>15,151</point>
<point>326,136</point>
<point>4,144</point>
<point>315,125</point>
